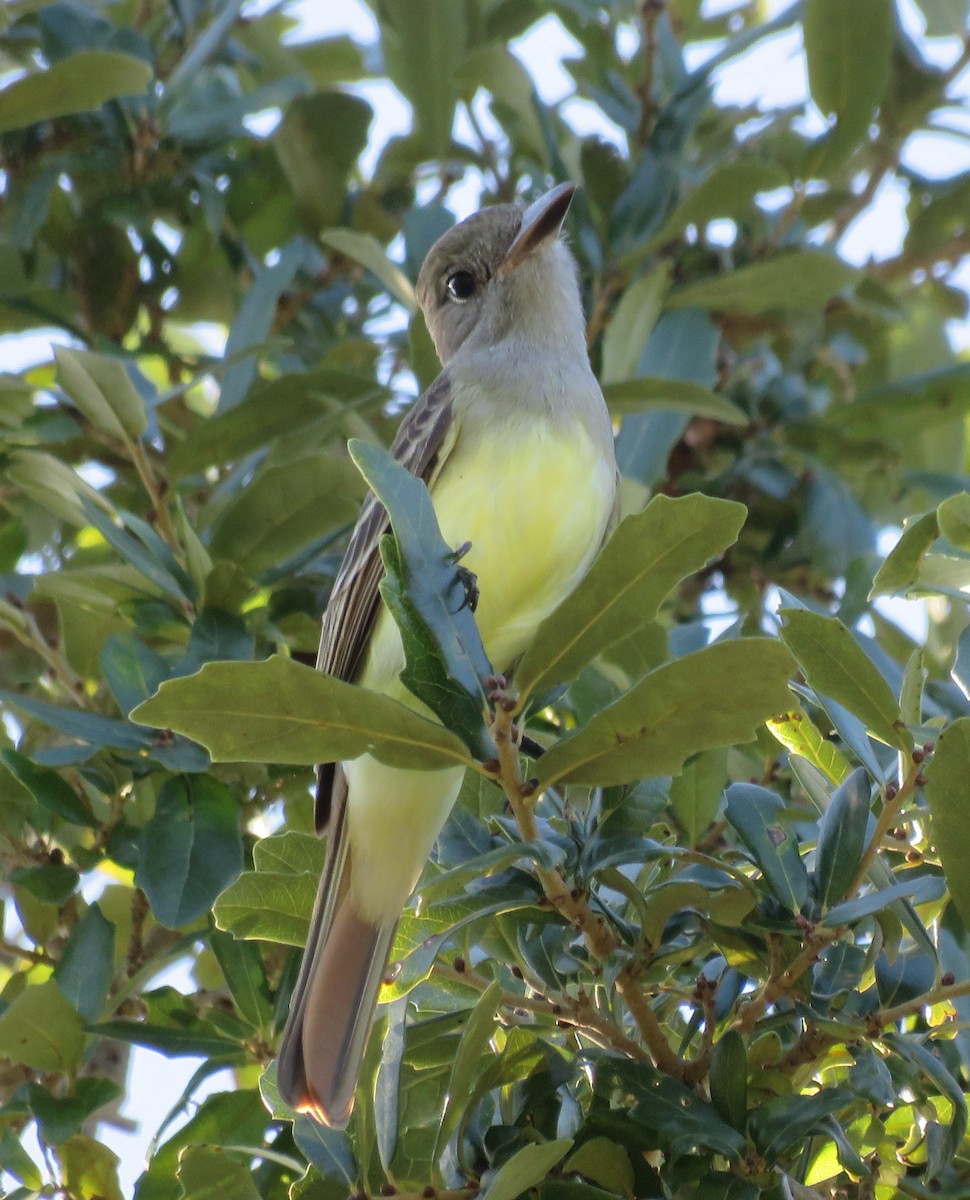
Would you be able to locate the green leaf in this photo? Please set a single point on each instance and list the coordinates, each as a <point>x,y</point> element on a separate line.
<point>946,794</point>
<point>728,191</point>
<point>49,790</point>
<point>468,1062</point>
<point>695,794</point>
<point>526,1168</point>
<point>905,408</point>
<point>419,936</point>
<point>934,1070</point>
<point>89,1168</point>
<point>729,1080</point>
<point>318,143</point>
<point>901,567</point>
<point>836,665</point>
<point>842,838</point>
<point>848,48</point>
<point>41,1030</point>
<point>671,395</point>
<point>53,485</point>
<point>445,663</point>
<point>87,964</point>
<point>60,1117</point>
<point>800,735</point>
<point>799,280</point>
<point>313,401</point>
<point>102,390</point>
<point>197,1040</point>
<point>290,853</point>
<point>644,560</point>
<point>786,1120</point>
<point>604,1162</point>
<point>190,850</point>
<point>424,43</point>
<point>758,815</point>
<point>632,323</point>
<point>285,508</point>
<point>922,889</point>
<point>85,80</point>
<point>242,965</point>
<point>365,249</point>
<point>677,1120</point>
<point>207,1173</point>
<point>87,727</point>
<point>131,670</point>
<point>953,516</point>
<point>269,906</point>
<point>280,711</point>
<point>668,716</point>
<point>51,883</point>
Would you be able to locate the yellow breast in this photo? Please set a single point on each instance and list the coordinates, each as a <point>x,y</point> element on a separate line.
<point>534,506</point>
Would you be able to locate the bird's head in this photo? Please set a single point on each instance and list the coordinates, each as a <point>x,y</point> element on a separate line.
<point>503,272</point>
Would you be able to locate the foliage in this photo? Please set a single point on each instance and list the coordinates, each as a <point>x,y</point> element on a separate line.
<point>715,958</point>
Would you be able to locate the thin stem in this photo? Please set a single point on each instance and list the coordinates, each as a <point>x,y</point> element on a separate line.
<point>155,494</point>
<point>938,995</point>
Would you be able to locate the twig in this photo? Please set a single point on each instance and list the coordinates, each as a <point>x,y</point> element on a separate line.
<point>571,903</point>
<point>937,995</point>
<point>579,1013</point>
<point>888,818</point>
<point>23,625</point>
<point>160,515</point>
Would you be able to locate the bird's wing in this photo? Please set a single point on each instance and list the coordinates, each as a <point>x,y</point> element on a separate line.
<point>421,445</point>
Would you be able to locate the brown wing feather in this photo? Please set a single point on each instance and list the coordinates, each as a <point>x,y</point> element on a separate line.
<point>355,600</point>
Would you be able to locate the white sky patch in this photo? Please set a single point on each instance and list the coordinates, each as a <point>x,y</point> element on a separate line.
<point>878,232</point>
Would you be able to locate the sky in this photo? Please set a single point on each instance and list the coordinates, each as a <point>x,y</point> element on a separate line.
<point>772,74</point>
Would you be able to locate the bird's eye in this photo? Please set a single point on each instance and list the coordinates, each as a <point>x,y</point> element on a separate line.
<point>461,286</point>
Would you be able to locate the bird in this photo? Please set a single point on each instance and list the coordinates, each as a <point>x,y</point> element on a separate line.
<point>515,444</point>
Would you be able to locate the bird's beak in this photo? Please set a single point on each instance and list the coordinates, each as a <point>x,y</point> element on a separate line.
<point>540,222</point>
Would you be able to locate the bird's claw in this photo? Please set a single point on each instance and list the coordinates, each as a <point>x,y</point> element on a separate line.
<point>469,581</point>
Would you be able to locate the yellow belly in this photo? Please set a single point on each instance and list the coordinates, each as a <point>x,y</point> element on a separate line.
<point>534,509</point>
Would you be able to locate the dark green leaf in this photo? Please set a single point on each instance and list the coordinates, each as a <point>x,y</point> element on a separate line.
<point>49,790</point>
<point>242,966</point>
<point>922,889</point>
<point>87,727</point>
<point>87,964</point>
<point>190,850</point>
<point>60,1117</point>
<point>841,838</point>
<point>759,817</point>
<point>786,1120</point>
<point>729,1079</point>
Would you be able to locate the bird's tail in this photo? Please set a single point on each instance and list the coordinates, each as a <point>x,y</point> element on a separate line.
<point>335,996</point>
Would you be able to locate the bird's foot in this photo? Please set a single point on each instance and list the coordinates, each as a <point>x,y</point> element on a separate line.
<point>467,579</point>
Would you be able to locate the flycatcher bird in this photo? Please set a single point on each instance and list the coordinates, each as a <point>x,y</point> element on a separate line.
<point>514,442</point>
